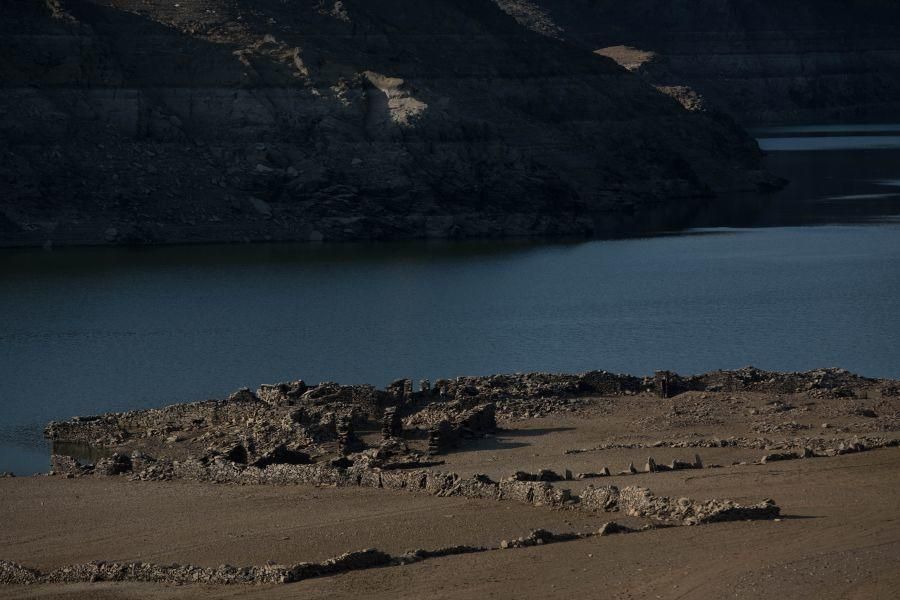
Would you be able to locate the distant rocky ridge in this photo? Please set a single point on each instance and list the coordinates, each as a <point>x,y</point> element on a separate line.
<point>150,121</point>
<point>761,61</point>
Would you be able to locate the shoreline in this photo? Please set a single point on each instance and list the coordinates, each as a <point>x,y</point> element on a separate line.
<point>495,470</point>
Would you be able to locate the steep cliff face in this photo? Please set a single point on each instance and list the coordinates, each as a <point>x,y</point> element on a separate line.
<point>150,120</point>
<point>758,60</point>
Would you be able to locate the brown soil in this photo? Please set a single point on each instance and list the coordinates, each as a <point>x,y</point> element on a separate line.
<point>839,535</point>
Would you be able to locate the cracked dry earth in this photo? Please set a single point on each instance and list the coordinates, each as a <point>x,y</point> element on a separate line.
<point>837,535</point>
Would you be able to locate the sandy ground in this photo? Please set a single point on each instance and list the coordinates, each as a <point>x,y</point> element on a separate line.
<point>839,536</point>
<point>51,523</point>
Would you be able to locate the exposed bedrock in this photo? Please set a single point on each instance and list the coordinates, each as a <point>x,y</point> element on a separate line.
<point>142,121</point>
<point>758,60</point>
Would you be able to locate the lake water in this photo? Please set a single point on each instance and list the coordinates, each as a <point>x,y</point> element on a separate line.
<point>804,278</point>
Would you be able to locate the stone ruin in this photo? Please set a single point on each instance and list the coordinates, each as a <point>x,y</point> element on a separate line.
<point>175,574</point>
<point>640,502</point>
<point>347,441</point>
<point>391,424</point>
<point>634,501</point>
<point>319,427</point>
<point>820,382</point>
<point>328,435</point>
<point>473,423</point>
<point>296,413</point>
<point>294,432</point>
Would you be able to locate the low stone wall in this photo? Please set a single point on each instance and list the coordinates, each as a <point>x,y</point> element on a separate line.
<point>640,502</point>
<point>15,574</point>
<point>87,430</point>
<point>537,493</point>
<point>635,501</point>
<point>837,382</point>
<point>461,424</point>
<point>11,573</point>
<point>806,447</point>
<point>176,574</point>
<point>605,498</point>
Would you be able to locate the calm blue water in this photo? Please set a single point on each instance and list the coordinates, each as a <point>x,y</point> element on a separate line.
<point>879,128</point>
<point>825,143</point>
<point>807,278</point>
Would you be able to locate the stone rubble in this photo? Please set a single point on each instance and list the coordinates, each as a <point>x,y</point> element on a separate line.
<point>347,473</point>
<point>175,574</point>
<point>392,424</point>
<point>640,502</point>
<point>820,446</point>
<point>295,433</point>
<point>612,528</point>
<point>294,412</point>
<point>328,435</point>
<point>651,466</point>
<point>539,537</point>
<point>273,574</point>
<point>92,572</point>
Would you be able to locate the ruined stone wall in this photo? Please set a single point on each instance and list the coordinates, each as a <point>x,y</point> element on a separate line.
<point>11,573</point>
<point>510,395</point>
<point>633,501</point>
<point>640,502</point>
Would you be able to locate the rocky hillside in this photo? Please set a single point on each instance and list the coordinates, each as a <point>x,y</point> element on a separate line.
<point>151,121</point>
<point>758,60</point>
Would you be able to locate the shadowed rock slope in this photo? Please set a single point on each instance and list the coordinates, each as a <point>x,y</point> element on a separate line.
<point>758,60</point>
<point>153,121</point>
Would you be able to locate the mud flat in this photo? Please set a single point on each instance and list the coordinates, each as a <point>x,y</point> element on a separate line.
<point>742,483</point>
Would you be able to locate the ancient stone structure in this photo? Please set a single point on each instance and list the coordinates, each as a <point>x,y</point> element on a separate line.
<point>11,573</point>
<point>176,574</point>
<point>441,437</point>
<point>392,424</point>
<point>632,500</point>
<point>400,391</point>
<point>600,498</point>
<point>304,411</point>
<point>640,502</point>
<point>666,384</point>
<point>346,438</point>
<point>288,424</point>
<point>301,434</point>
<point>328,435</point>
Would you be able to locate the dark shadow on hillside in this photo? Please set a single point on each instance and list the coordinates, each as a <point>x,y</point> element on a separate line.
<point>534,432</point>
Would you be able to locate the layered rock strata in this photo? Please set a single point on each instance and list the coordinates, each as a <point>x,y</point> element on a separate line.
<point>760,61</point>
<point>148,121</point>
